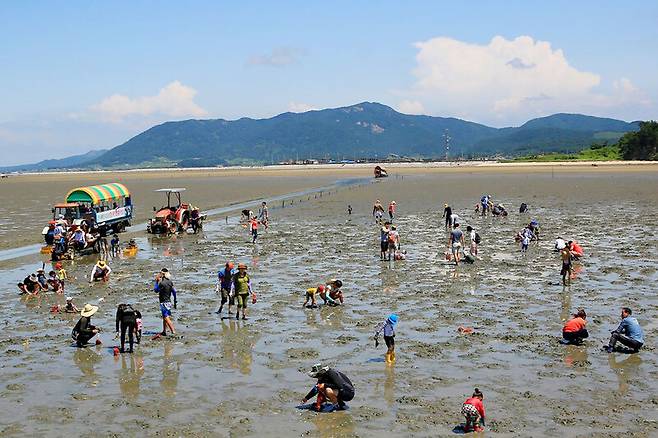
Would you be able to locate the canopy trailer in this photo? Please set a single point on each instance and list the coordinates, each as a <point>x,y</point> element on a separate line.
<point>108,206</point>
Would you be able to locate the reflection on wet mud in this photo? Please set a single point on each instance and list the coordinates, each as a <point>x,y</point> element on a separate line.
<point>130,375</point>
<point>170,369</point>
<point>626,368</point>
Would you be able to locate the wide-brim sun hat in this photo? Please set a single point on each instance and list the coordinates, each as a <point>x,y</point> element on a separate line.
<point>393,318</point>
<point>88,310</point>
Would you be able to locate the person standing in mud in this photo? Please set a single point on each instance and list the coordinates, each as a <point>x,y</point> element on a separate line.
<point>349,210</point>
<point>224,280</point>
<point>447,214</point>
<point>241,289</point>
<point>126,321</point>
<point>165,289</point>
<point>393,241</point>
<point>391,210</point>
<point>378,211</point>
<point>456,242</point>
<point>383,240</point>
<point>565,255</point>
<point>253,227</point>
<point>475,240</point>
<point>264,215</point>
<point>388,327</point>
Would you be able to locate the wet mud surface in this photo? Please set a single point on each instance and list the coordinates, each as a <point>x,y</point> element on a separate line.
<point>223,377</point>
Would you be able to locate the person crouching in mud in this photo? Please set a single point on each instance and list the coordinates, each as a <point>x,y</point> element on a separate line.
<point>574,330</point>
<point>310,296</point>
<point>332,295</point>
<point>473,412</point>
<point>332,385</point>
<point>388,327</point>
<point>100,271</point>
<point>84,330</point>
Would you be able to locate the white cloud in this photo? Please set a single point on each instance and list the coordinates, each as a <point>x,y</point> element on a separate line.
<point>507,80</point>
<point>174,100</point>
<point>298,107</point>
<point>278,57</point>
<point>411,107</point>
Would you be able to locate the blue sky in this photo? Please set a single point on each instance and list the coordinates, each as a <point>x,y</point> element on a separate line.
<point>86,75</point>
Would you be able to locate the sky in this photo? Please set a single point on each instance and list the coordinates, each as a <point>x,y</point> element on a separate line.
<point>78,75</point>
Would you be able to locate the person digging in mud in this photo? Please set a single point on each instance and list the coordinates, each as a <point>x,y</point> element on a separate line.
<point>126,321</point>
<point>332,385</point>
<point>165,289</point>
<point>70,307</point>
<point>629,333</point>
<point>332,295</point>
<point>240,289</point>
<point>224,281</point>
<point>100,271</point>
<point>473,412</point>
<point>565,272</point>
<point>55,283</point>
<point>84,330</point>
<point>388,327</point>
<point>456,242</point>
<point>574,330</point>
<point>311,292</point>
<point>383,240</point>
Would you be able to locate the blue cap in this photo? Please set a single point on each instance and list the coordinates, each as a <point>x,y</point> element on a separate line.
<point>393,318</point>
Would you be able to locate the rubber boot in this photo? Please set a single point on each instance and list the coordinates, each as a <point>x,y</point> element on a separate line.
<point>392,357</point>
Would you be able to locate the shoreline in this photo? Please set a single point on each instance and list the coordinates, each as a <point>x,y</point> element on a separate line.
<point>434,165</point>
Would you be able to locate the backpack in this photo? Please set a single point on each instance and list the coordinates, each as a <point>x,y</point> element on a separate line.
<point>477,238</point>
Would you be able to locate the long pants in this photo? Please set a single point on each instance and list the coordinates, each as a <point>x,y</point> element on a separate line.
<point>130,328</point>
<point>575,336</point>
<point>83,339</point>
<point>625,340</point>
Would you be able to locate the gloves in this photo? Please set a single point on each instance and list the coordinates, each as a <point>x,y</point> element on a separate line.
<point>376,341</point>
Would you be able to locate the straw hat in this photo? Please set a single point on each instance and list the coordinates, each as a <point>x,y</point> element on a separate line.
<point>101,263</point>
<point>88,310</point>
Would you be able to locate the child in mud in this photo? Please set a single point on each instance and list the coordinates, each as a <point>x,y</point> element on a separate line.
<point>388,327</point>
<point>526,236</point>
<point>332,295</point>
<point>473,412</point>
<point>574,330</point>
<point>70,307</point>
<point>114,245</point>
<point>253,227</point>
<point>55,283</point>
<point>61,273</point>
<point>310,296</point>
<point>565,255</point>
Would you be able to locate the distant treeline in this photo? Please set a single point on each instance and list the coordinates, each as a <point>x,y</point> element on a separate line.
<point>640,145</point>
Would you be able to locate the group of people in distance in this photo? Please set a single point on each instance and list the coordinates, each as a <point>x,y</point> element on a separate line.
<point>39,282</point>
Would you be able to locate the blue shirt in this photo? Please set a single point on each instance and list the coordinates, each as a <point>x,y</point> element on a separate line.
<point>631,328</point>
<point>224,279</point>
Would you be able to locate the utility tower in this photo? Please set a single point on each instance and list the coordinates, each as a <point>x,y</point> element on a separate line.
<point>446,140</point>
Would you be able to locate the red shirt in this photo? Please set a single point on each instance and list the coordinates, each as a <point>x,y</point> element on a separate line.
<point>574,325</point>
<point>474,401</point>
<point>254,224</point>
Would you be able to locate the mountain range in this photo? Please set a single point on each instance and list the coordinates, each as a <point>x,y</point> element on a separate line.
<point>364,130</point>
